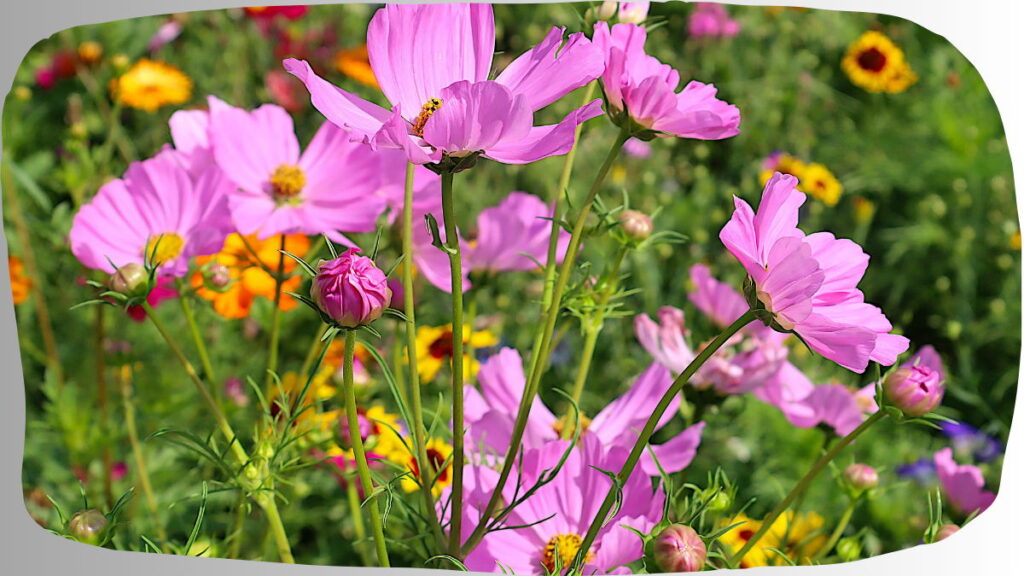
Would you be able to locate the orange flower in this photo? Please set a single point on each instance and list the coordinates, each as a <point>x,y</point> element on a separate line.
<point>249,279</point>
<point>20,283</point>
<point>355,63</point>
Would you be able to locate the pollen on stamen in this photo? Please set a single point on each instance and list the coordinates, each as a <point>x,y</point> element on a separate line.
<point>287,181</point>
<point>431,106</point>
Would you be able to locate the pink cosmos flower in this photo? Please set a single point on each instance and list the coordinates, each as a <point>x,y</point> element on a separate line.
<point>433,62</point>
<point>560,512</point>
<point>157,211</point>
<point>328,189</point>
<point>711,19</point>
<point>809,283</point>
<point>512,236</point>
<point>639,85</point>
<point>964,486</point>
<point>490,414</point>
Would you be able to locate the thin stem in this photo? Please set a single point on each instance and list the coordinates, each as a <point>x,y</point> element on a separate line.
<point>101,399</point>
<point>275,323</point>
<point>357,519</point>
<point>267,503</point>
<point>419,431</point>
<point>362,466</point>
<point>844,521</point>
<point>594,325</point>
<point>197,339</point>
<point>807,479</point>
<point>123,376</point>
<point>648,430</point>
<point>543,345</point>
<point>458,421</point>
<point>238,530</point>
<point>315,348</point>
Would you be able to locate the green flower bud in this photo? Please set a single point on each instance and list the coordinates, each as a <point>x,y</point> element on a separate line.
<point>88,526</point>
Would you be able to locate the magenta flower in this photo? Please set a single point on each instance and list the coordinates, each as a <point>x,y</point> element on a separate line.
<point>964,486</point>
<point>639,86</point>
<point>557,516</point>
<point>164,290</point>
<point>158,213</point>
<point>712,19</point>
<point>328,189</point>
<point>808,284</point>
<point>350,289</point>
<point>490,413</point>
<point>433,61</point>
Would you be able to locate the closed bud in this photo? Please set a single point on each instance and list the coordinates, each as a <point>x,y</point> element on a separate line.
<point>637,225</point>
<point>218,276</point>
<point>88,526</point>
<point>915,390</point>
<point>351,290</point>
<point>848,549</point>
<point>945,531</point>
<point>861,476</point>
<point>90,52</point>
<point>720,502</point>
<point>132,280</point>
<point>679,548</point>
<point>607,10</point>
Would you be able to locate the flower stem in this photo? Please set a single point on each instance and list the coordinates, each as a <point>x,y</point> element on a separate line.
<point>648,430</point>
<point>419,431</point>
<point>357,519</point>
<point>363,467</point>
<point>542,346</point>
<point>238,530</point>
<point>807,479</point>
<point>197,339</point>
<point>275,323</point>
<point>123,376</point>
<point>267,503</point>
<point>101,399</point>
<point>451,240</point>
<point>844,521</point>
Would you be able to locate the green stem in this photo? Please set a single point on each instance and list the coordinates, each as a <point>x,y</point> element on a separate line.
<point>140,459</point>
<point>844,521</point>
<point>238,530</point>
<point>419,431</point>
<point>807,479</point>
<point>458,374</point>
<point>357,519</point>
<point>101,399</point>
<point>648,430</point>
<point>543,345</point>
<point>594,325</point>
<point>315,349</point>
<point>197,338</point>
<point>362,466</point>
<point>275,323</point>
<point>267,503</point>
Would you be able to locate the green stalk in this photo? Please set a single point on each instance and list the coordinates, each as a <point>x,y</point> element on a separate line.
<point>844,521</point>
<point>807,479</point>
<point>648,430</point>
<point>275,323</point>
<point>139,456</point>
<point>197,338</point>
<point>543,348</point>
<point>357,519</point>
<point>315,348</point>
<point>362,466</point>
<point>238,530</point>
<point>458,416</point>
<point>419,431</point>
<point>268,504</point>
<point>101,399</point>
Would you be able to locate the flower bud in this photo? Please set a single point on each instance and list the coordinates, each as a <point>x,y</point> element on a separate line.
<point>945,531</point>
<point>132,280</point>
<point>350,289</point>
<point>218,276</point>
<point>607,10</point>
<point>679,548</point>
<point>916,390</point>
<point>88,526</point>
<point>848,549</point>
<point>861,476</point>
<point>637,225</point>
<point>90,52</point>
<point>720,502</point>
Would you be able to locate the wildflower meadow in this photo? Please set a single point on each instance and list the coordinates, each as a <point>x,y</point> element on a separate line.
<point>571,288</point>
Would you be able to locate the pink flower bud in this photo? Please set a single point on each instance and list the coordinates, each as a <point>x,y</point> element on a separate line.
<point>679,548</point>
<point>945,531</point>
<point>916,390</point>
<point>350,289</point>
<point>219,276</point>
<point>637,225</point>
<point>861,476</point>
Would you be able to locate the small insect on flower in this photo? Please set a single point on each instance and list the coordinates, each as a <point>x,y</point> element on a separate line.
<point>150,85</point>
<point>876,64</point>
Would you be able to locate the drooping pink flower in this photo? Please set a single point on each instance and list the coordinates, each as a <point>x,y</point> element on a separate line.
<point>640,85</point>
<point>330,188</point>
<point>711,19</point>
<point>433,62</point>
<point>808,283</point>
<point>560,512</point>
<point>963,485</point>
<point>350,289</point>
<point>491,410</point>
<point>156,212</point>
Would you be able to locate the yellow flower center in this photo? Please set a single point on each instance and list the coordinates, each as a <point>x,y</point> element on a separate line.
<point>287,181</point>
<point>164,248</point>
<point>431,106</point>
<point>561,550</point>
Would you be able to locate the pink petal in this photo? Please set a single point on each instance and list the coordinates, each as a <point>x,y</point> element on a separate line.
<point>552,69</point>
<point>544,141</point>
<point>475,117</point>
<point>359,117</point>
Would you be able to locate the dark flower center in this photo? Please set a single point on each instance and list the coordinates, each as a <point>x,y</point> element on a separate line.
<point>872,60</point>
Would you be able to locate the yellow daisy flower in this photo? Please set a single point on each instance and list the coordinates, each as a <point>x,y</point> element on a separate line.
<point>434,349</point>
<point>799,536</point>
<point>876,64</point>
<point>819,182</point>
<point>438,452</point>
<point>355,63</point>
<point>149,85</point>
